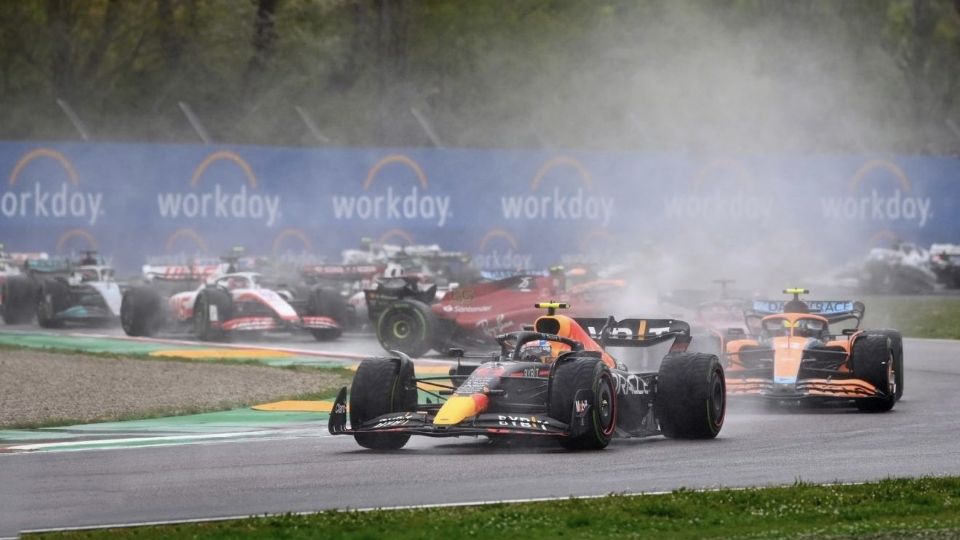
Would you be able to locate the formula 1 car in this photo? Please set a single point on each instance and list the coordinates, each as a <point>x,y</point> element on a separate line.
<point>557,381</point>
<point>58,291</point>
<point>794,356</point>
<point>214,302</point>
<point>473,315</point>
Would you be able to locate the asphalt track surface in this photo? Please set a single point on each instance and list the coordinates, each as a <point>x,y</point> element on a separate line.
<point>305,469</point>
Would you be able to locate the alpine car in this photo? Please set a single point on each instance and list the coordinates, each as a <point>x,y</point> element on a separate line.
<point>58,291</point>
<point>794,355</point>
<point>557,381</point>
<point>225,302</point>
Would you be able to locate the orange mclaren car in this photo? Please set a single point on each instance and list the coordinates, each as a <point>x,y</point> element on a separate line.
<point>794,355</point>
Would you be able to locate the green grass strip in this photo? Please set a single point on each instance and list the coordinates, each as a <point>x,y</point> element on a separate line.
<point>895,508</point>
<point>915,316</point>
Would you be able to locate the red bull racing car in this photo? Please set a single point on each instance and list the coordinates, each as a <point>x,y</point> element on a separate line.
<point>794,355</point>
<point>555,381</point>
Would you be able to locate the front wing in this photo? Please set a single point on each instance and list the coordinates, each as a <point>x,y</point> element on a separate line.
<point>421,423</point>
<point>747,384</point>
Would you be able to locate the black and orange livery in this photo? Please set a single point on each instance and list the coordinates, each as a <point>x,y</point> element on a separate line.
<point>793,355</point>
<point>557,380</point>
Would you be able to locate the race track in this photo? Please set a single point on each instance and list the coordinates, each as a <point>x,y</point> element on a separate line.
<point>304,469</point>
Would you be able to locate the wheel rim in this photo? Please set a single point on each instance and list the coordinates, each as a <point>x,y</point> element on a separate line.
<point>891,377</point>
<point>606,410</point>
<point>717,399</point>
<point>401,329</point>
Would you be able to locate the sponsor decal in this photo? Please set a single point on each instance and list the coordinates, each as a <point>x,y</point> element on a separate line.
<point>630,384</point>
<point>879,205</point>
<point>528,422</point>
<point>466,309</point>
<point>413,204</point>
<point>220,202</point>
<point>499,250</point>
<point>42,200</point>
<point>495,328</point>
<point>738,204</point>
<point>557,204</point>
<point>65,238</point>
<point>340,408</point>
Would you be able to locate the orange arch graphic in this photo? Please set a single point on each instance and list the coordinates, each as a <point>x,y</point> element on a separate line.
<point>396,233</point>
<point>870,166</point>
<point>593,236</point>
<point>185,233</point>
<point>883,236</point>
<point>73,233</point>
<point>395,158</point>
<point>47,153</point>
<point>498,233</point>
<point>221,156</point>
<point>744,177</point>
<point>292,233</point>
<point>562,161</point>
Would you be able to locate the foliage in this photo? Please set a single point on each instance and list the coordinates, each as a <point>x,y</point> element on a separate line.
<point>689,75</point>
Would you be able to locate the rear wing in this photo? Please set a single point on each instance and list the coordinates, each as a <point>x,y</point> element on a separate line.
<point>832,310</point>
<point>179,273</point>
<point>47,265</point>
<point>342,272</point>
<point>610,332</point>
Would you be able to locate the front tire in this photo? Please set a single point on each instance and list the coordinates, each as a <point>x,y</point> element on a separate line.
<point>896,345</point>
<point>141,311</point>
<point>691,400</point>
<point>212,305</point>
<point>601,421</point>
<point>408,326</point>
<point>52,299</point>
<point>382,386</point>
<point>874,361</point>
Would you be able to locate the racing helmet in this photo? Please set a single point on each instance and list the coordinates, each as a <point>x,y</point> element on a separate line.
<point>542,350</point>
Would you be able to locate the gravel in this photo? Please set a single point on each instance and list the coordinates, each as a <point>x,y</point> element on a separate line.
<point>48,388</point>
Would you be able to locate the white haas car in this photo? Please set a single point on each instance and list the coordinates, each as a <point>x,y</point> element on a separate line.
<point>224,303</point>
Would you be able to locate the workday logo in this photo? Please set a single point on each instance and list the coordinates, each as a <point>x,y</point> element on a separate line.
<point>729,196</point>
<point>219,202</point>
<point>55,191</point>
<point>413,204</point>
<point>499,250</point>
<point>877,205</point>
<point>559,204</point>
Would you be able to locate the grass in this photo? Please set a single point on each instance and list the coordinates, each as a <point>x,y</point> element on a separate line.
<point>894,508</point>
<point>915,316</point>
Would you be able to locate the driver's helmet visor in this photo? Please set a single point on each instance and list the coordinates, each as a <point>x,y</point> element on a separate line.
<point>536,351</point>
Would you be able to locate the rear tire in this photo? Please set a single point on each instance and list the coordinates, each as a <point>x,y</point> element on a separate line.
<point>407,326</point>
<point>691,399</point>
<point>585,374</point>
<point>873,361</point>
<point>208,299</point>
<point>141,311</point>
<point>382,386</point>
<point>52,299</point>
<point>18,293</point>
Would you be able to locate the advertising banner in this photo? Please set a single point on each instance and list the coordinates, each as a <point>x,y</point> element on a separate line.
<point>511,209</point>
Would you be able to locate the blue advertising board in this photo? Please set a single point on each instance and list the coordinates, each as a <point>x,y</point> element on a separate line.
<point>511,209</point>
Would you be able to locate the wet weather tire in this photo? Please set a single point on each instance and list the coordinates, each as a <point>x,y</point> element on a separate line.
<point>381,386</point>
<point>408,326</point>
<point>691,399</point>
<point>326,303</point>
<point>141,311</point>
<point>212,306</point>
<point>874,361</point>
<point>18,293</point>
<point>52,299</point>
<point>896,345</point>
<point>601,418</point>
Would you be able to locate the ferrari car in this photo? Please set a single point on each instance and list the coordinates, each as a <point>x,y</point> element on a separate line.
<point>473,315</point>
<point>793,355</point>
<point>58,291</point>
<point>558,381</point>
<point>214,302</point>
